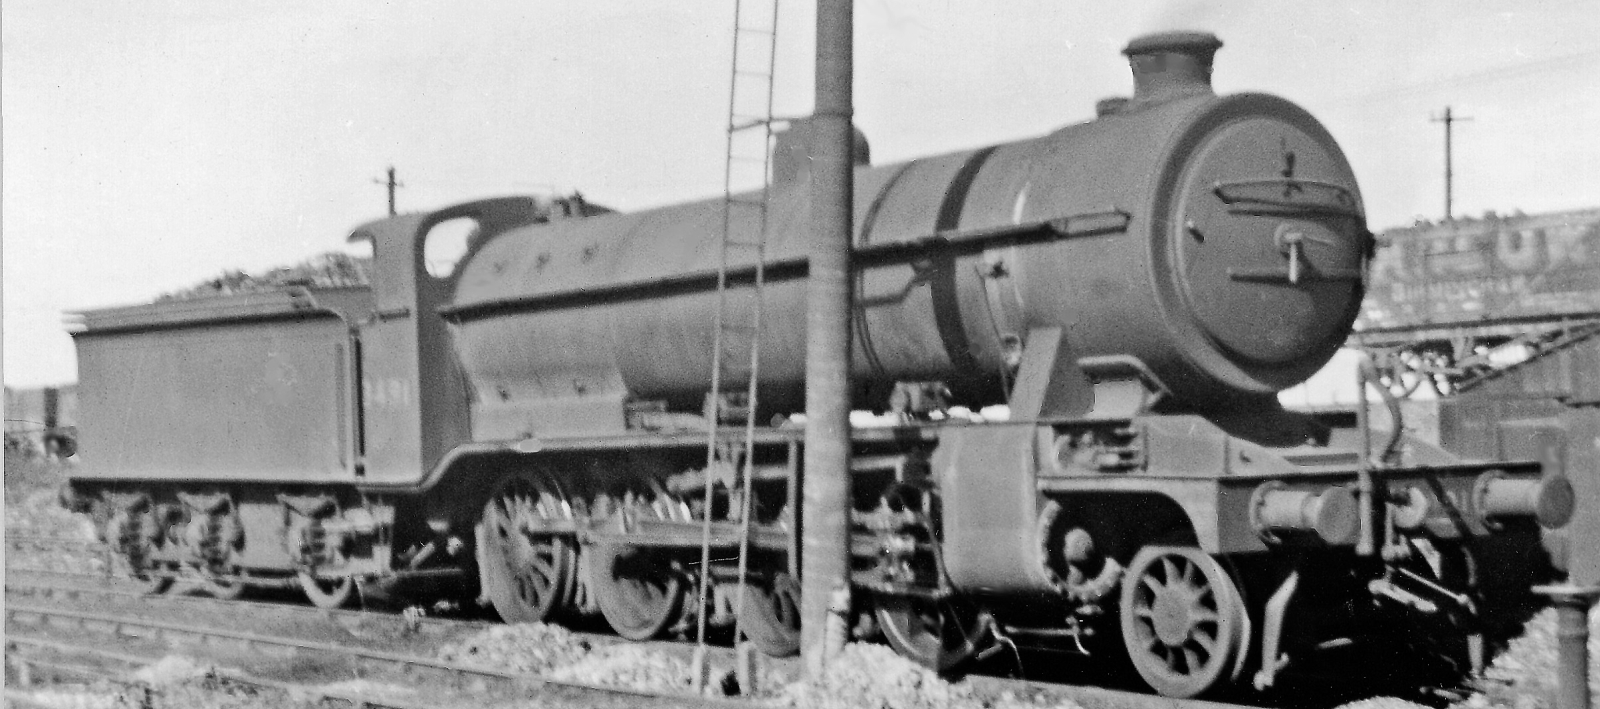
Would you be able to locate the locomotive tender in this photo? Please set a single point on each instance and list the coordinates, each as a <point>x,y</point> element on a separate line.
<point>1135,289</point>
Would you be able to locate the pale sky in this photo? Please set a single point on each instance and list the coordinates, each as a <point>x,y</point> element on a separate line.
<point>150,145</point>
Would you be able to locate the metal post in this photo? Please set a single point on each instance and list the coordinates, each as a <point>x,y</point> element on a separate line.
<point>826,508</point>
<point>1572,604</point>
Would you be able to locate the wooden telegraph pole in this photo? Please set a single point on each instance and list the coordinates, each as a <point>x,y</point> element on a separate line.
<point>825,512</point>
<point>1448,119</point>
<point>392,184</point>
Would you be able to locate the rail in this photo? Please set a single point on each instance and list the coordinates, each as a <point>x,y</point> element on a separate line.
<point>458,675</point>
<point>1090,697</point>
<point>28,583</point>
<point>25,664</point>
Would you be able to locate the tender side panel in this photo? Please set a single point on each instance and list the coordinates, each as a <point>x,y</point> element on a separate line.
<point>259,401</point>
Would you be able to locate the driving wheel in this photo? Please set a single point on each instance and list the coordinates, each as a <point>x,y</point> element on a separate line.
<point>527,575</point>
<point>937,634</point>
<point>770,616</point>
<point>1182,620</point>
<point>638,592</point>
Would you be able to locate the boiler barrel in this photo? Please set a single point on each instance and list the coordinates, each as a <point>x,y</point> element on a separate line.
<point>1234,270</point>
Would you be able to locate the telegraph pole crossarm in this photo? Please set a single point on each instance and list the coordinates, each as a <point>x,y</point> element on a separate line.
<point>391,183</point>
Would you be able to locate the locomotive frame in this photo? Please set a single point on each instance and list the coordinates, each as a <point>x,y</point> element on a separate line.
<point>532,423</point>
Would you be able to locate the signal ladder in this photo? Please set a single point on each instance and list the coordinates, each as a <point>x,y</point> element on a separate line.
<point>736,350</point>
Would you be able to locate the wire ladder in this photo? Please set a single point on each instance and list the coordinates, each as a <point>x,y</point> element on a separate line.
<point>742,244</point>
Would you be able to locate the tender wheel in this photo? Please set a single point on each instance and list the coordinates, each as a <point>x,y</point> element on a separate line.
<point>939,635</point>
<point>770,617</point>
<point>327,593</point>
<point>155,579</point>
<point>225,589</point>
<point>131,533</point>
<point>1182,620</point>
<point>527,576</point>
<point>639,594</point>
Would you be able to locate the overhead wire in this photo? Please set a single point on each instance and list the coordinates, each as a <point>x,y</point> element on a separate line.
<point>1505,71</point>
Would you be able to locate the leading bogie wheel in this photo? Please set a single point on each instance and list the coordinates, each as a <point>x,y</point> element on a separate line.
<point>1183,620</point>
<point>938,634</point>
<point>528,576</point>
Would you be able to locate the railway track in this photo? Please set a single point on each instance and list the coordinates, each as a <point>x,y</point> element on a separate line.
<point>97,590</point>
<point>51,600</point>
<point>405,669</point>
<point>39,600</point>
<point>20,541</point>
<point>115,669</point>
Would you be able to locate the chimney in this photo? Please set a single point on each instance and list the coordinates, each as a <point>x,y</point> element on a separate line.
<point>1170,65</point>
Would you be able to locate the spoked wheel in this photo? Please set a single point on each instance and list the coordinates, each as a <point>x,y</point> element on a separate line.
<point>770,616</point>
<point>638,592</point>
<point>939,635</point>
<point>155,578</point>
<point>327,593</point>
<point>528,576</point>
<point>129,532</point>
<point>224,586</point>
<point>1182,620</point>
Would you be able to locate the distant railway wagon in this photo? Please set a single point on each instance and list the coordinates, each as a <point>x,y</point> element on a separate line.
<point>1484,272</point>
<point>1451,300</point>
<point>542,420</point>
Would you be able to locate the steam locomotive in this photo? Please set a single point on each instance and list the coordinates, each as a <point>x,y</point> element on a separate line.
<point>532,418</point>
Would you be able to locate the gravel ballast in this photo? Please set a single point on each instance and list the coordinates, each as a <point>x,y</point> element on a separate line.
<point>1524,676</point>
<point>533,648</point>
